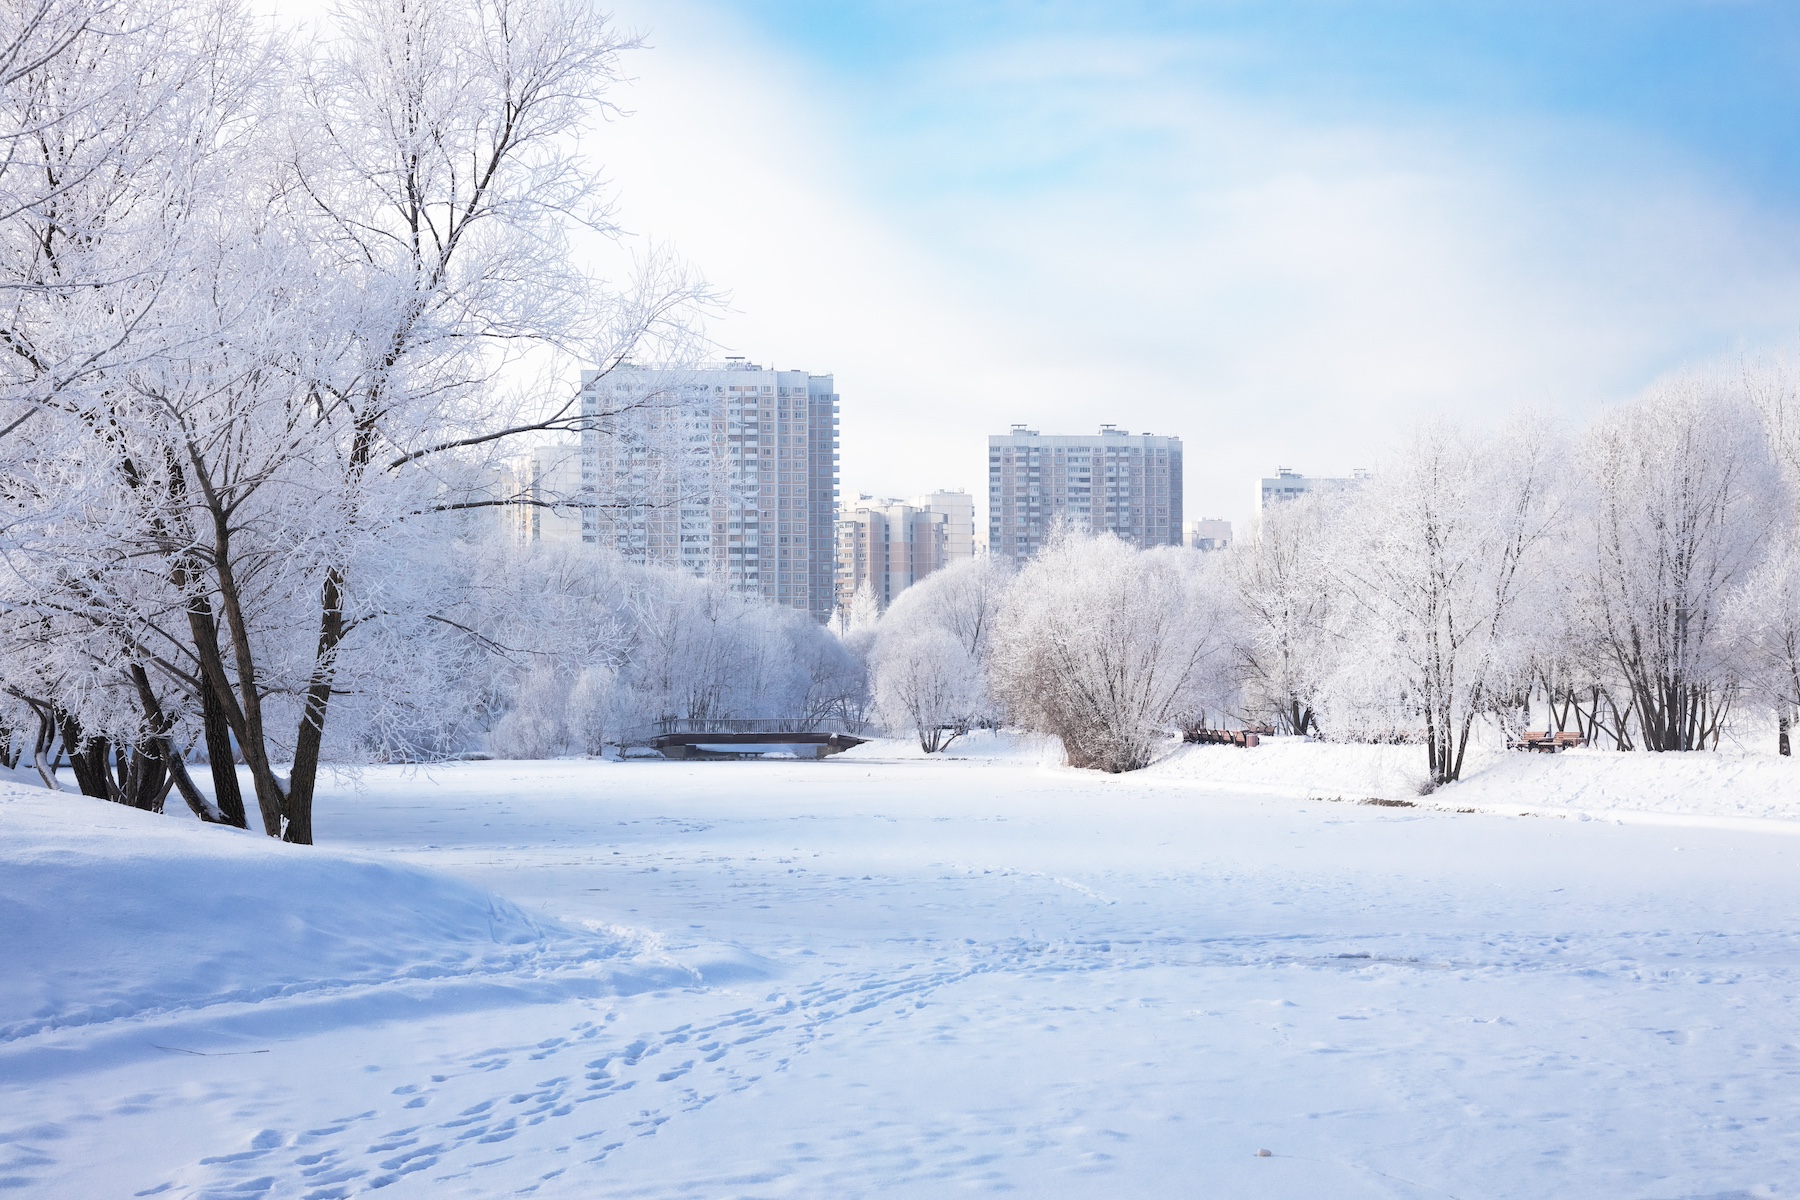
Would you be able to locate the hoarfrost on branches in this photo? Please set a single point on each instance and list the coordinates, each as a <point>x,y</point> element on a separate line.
<point>1105,646</point>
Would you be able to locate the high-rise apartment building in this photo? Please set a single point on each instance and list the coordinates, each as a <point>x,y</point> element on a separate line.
<point>1128,484</point>
<point>889,545</point>
<point>728,472</point>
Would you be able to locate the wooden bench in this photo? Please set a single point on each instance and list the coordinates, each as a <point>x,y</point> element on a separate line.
<point>1242,738</point>
<point>1546,742</point>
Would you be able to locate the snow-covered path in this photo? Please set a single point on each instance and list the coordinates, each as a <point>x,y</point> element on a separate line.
<point>927,978</point>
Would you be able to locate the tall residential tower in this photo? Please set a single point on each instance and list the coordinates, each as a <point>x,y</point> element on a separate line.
<point>728,472</point>
<point>1129,484</point>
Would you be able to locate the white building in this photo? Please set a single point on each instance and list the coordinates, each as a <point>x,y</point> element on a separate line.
<point>1129,484</point>
<point>1209,533</point>
<point>1289,485</point>
<point>726,471</point>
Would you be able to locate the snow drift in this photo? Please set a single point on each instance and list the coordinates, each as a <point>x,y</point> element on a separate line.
<point>109,913</point>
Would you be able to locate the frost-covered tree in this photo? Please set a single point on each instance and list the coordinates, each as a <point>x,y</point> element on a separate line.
<point>914,676</point>
<point>926,681</point>
<point>963,599</point>
<point>1765,615</point>
<point>1763,621</point>
<point>122,126</point>
<point>537,650</point>
<point>865,610</point>
<point>1684,495</point>
<point>258,321</point>
<point>591,706</point>
<point>536,725</point>
<point>1291,642</point>
<point>1105,646</point>
<point>1446,552</point>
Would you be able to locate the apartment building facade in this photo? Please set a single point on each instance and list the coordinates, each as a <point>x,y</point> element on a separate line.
<point>728,472</point>
<point>887,546</point>
<point>1113,481</point>
<point>958,509</point>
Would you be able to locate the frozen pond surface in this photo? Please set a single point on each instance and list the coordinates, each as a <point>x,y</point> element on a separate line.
<point>909,978</point>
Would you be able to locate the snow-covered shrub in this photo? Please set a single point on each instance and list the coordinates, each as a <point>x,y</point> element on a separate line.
<point>535,727</point>
<point>1106,646</point>
<point>928,656</point>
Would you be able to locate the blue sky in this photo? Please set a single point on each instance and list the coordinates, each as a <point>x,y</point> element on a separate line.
<point>1281,230</point>
<point>1713,80</point>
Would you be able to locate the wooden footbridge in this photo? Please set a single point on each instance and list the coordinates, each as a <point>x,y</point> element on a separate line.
<point>737,737</point>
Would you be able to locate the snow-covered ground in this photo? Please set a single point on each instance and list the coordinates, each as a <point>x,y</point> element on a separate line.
<point>1733,787</point>
<point>881,974</point>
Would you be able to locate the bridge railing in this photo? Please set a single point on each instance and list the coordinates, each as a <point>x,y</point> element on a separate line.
<point>690,725</point>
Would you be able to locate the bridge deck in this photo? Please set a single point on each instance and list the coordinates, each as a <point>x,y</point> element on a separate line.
<point>699,745</point>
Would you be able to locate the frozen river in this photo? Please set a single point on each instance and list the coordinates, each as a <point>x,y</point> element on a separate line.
<point>910,978</point>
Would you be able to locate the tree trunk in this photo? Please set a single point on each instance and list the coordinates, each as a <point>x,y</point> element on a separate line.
<point>1462,745</point>
<point>304,776</point>
<point>191,795</point>
<point>243,710</point>
<point>87,759</point>
<point>1781,737</point>
<point>228,796</point>
<point>170,758</point>
<point>222,714</point>
<point>46,741</point>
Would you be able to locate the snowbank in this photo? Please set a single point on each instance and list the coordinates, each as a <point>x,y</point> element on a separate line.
<point>1729,784</point>
<point>110,913</point>
<point>1286,766</point>
<point>1721,784</point>
<point>983,745</point>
